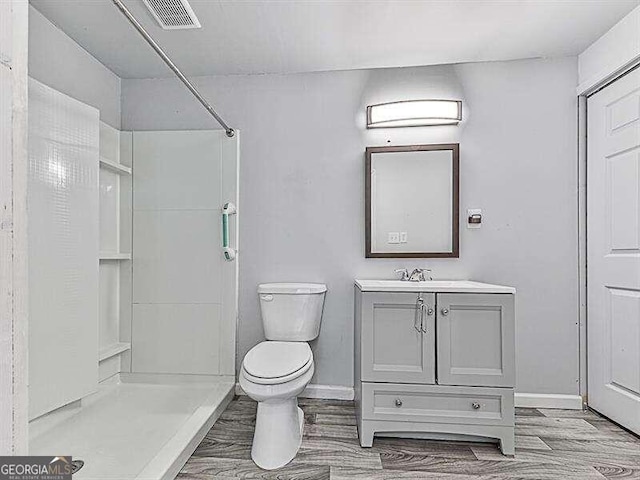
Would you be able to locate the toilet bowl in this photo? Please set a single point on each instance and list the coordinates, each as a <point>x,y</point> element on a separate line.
<point>276,371</point>
<point>275,386</point>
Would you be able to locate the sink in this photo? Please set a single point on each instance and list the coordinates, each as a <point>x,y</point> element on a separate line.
<point>442,286</point>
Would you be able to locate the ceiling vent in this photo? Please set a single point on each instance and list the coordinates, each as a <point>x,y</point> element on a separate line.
<point>173,14</point>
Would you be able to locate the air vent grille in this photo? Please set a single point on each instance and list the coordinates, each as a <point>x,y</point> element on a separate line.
<point>173,14</point>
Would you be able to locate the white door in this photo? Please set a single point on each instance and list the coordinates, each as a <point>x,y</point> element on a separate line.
<point>184,289</point>
<point>613,250</point>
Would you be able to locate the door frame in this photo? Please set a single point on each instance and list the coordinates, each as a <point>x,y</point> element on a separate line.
<point>583,315</point>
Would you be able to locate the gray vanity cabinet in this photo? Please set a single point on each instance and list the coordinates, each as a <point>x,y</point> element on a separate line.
<point>476,339</point>
<point>398,338</point>
<point>435,363</point>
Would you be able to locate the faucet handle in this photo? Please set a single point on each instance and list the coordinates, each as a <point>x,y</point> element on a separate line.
<point>404,272</point>
<point>426,272</point>
<point>418,275</point>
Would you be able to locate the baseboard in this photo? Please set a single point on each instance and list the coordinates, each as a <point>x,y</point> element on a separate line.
<point>332,392</point>
<point>527,400</point>
<point>548,400</point>
<point>328,392</point>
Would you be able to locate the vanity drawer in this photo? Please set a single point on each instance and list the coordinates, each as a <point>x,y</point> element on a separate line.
<point>437,403</point>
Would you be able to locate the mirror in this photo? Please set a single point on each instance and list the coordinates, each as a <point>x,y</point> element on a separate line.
<point>412,201</point>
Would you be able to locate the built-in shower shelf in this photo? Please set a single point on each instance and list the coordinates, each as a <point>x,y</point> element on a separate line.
<point>114,256</point>
<point>114,166</point>
<point>113,350</point>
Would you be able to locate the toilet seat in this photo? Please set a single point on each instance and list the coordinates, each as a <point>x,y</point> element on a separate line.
<point>272,362</point>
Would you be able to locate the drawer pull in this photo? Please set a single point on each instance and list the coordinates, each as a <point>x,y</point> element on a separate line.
<point>398,402</point>
<point>475,405</point>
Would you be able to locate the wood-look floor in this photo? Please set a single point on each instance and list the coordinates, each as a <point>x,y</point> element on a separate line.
<point>550,444</point>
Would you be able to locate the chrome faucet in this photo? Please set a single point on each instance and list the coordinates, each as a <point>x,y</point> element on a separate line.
<point>418,274</point>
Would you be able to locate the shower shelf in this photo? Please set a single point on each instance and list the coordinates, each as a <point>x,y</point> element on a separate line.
<point>114,256</point>
<point>113,350</point>
<point>114,166</point>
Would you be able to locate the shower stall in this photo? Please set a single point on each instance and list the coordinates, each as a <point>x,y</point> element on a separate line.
<point>133,296</point>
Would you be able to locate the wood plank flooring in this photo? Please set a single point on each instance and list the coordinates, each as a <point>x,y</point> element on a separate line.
<point>550,444</point>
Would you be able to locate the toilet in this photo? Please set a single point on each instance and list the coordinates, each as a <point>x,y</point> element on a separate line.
<point>275,372</point>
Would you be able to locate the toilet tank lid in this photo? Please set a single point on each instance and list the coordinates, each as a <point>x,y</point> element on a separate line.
<point>292,288</point>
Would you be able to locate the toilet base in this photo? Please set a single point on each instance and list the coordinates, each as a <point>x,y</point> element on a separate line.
<point>278,433</point>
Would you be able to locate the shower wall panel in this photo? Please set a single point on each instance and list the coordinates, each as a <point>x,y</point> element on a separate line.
<point>184,292</point>
<point>63,249</point>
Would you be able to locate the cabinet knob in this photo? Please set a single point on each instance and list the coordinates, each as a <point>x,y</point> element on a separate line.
<point>398,402</point>
<point>444,311</point>
<point>429,311</point>
<point>475,405</point>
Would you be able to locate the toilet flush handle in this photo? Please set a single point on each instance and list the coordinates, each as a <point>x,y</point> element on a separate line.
<point>266,298</point>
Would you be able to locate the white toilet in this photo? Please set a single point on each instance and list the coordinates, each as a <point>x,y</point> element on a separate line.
<point>275,372</point>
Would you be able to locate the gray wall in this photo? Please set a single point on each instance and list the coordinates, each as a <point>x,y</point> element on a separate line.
<point>59,62</point>
<point>302,180</point>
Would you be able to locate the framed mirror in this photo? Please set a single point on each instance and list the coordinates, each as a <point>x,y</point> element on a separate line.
<point>412,201</point>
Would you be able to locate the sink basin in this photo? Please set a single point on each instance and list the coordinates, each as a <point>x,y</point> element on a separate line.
<point>442,286</point>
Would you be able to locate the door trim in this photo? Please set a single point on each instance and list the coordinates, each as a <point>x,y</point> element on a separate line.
<point>14,242</point>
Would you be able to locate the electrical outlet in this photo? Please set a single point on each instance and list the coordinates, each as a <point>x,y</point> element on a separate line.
<point>403,237</point>
<point>394,237</point>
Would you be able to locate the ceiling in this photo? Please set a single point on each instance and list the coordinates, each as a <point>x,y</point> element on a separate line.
<point>284,36</point>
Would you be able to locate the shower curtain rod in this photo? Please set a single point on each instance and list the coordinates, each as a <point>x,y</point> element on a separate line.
<point>125,11</point>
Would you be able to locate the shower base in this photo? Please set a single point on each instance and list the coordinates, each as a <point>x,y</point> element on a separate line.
<point>136,426</point>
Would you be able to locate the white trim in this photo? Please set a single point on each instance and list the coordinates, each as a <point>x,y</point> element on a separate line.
<point>612,54</point>
<point>548,400</point>
<point>230,154</point>
<point>13,232</point>
<point>582,245</point>
<point>528,400</point>
<point>327,392</point>
<point>333,392</point>
<point>605,77</point>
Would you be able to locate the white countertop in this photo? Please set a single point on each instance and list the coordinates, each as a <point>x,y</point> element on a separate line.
<point>435,286</point>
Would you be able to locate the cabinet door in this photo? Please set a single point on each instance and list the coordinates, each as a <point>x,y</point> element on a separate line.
<point>476,339</point>
<point>398,338</point>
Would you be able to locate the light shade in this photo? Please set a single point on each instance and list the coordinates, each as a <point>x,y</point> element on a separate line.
<point>414,113</point>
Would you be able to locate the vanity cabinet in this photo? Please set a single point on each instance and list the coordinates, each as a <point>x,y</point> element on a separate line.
<point>434,360</point>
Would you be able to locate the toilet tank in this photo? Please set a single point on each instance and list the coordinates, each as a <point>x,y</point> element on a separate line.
<point>291,311</point>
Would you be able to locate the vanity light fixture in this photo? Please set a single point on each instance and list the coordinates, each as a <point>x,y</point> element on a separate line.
<point>414,113</point>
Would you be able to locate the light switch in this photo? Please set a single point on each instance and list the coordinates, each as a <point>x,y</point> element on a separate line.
<point>403,237</point>
<point>474,218</point>
<point>394,237</point>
